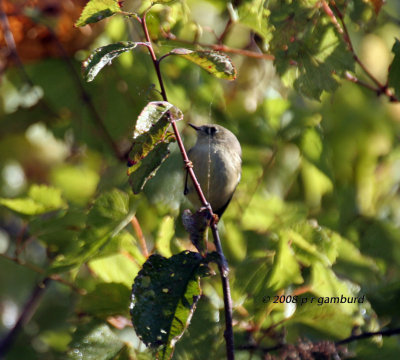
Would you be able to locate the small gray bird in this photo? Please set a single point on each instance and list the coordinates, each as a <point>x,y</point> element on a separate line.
<point>217,163</point>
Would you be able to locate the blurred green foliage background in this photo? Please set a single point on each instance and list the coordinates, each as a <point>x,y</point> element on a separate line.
<point>317,212</point>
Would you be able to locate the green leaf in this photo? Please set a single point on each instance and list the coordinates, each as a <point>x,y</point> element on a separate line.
<point>117,268</point>
<point>215,63</point>
<point>325,283</point>
<point>151,142</point>
<point>286,269</point>
<point>363,269</point>
<point>148,167</point>
<point>107,299</point>
<point>394,69</point>
<point>305,250</point>
<point>60,230</point>
<point>95,342</point>
<point>78,183</point>
<point>103,56</point>
<point>270,213</point>
<point>110,213</point>
<point>154,119</point>
<point>40,199</point>
<point>164,296</point>
<point>165,235</point>
<point>309,41</point>
<point>96,10</point>
<point>254,15</point>
<point>325,318</point>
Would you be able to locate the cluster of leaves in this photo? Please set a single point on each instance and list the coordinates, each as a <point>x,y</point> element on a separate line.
<point>316,213</point>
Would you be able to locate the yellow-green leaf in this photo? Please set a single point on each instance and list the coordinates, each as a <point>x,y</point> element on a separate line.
<point>151,141</point>
<point>40,199</point>
<point>215,63</point>
<point>97,10</point>
<point>104,56</point>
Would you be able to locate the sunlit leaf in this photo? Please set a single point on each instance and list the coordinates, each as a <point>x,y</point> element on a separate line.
<point>217,64</point>
<point>104,56</point>
<point>151,116</point>
<point>325,283</point>
<point>268,213</point>
<point>96,10</point>
<point>40,199</point>
<point>95,342</point>
<point>116,268</point>
<point>394,70</point>
<point>164,297</point>
<point>110,213</point>
<point>254,15</point>
<point>305,250</point>
<point>325,318</point>
<point>164,236</point>
<point>286,269</point>
<point>304,41</point>
<point>150,142</point>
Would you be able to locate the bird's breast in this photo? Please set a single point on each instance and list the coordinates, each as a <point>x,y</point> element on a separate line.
<point>217,169</point>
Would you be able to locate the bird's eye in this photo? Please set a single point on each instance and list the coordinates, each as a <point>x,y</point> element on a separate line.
<point>212,130</point>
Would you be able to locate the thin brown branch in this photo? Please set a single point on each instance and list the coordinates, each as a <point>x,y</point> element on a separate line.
<point>226,30</point>
<point>26,314</point>
<point>352,78</point>
<point>12,48</point>
<point>41,271</point>
<point>222,48</point>
<point>366,335</point>
<point>86,98</point>
<point>139,233</point>
<point>222,265</point>
<point>10,42</point>
<point>380,89</point>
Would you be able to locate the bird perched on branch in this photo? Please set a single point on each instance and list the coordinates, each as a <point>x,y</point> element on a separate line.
<point>217,164</point>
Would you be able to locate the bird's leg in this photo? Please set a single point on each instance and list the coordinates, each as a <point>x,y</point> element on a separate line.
<point>215,219</point>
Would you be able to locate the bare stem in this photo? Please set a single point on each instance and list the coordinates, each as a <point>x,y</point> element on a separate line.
<point>343,31</point>
<point>12,48</point>
<point>39,270</point>
<point>27,312</point>
<point>225,32</point>
<point>10,42</point>
<point>222,48</point>
<point>86,98</point>
<point>139,234</point>
<point>366,335</point>
<point>223,271</point>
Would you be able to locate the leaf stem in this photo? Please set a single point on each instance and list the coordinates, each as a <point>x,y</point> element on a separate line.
<point>222,268</point>
<point>139,233</point>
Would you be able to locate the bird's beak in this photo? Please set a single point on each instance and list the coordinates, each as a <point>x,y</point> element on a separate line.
<point>194,127</point>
